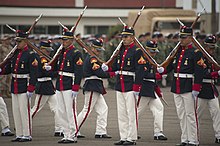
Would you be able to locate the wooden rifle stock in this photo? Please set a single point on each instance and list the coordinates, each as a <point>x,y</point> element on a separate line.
<point>56,56</point>
<point>79,18</point>
<point>206,54</point>
<point>39,52</point>
<point>114,54</point>
<point>145,53</point>
<point>8,57</point>
<point>83,45</point>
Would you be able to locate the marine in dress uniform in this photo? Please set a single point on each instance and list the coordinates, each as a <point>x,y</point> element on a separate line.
<point>187,64</point>
<point>70,71</point>
<point>129,64</point>
<point>208,95</point>
<point>23,68</point>
<point>150,93</point>
<point>45,91</point>
<point>94,90</point>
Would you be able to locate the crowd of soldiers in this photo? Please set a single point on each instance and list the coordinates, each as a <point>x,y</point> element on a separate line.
<point>134,90</point>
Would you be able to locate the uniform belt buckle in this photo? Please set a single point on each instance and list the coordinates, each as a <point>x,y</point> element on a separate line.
<point>177,75</point>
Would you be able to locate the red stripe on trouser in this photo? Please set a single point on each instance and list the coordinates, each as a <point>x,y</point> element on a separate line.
<point>136,111</point>
<point>29,116</point>
<point>87,113</point>
<point>38,104</point>
<point>196,116</point>
<point>74,114</point>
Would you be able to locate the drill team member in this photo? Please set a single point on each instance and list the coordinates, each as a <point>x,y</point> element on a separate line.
<point>187,64</point>
<point>208,95</point>
<point>94,89</point>
<point>129,64</point>
<point>150,93</point>
<point>23,68</point>
<point>70,71</point>
<point>45,91</point>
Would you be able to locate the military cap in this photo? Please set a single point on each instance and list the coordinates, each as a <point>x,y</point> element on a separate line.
<point>127,31</point>
<point>176,35</point>
<point>210,41</point>
<point>185,31</point>
<point>46,45</point>
<point>152,46</point>
<point>20,35</point>
<point>67,34</point>
<point>98,44</point>
<point>169,35</point>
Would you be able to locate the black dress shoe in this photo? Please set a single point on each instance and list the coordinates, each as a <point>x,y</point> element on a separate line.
<point>25,139</point>
<point>69,141</point>
<point>129,143</point>
<point>102,136</point>
<point>16,139</point>
<point>9,133</point>
<point>139,137</point>
<point>58,134</point>
<point>61,141</point>
<point>119,142</point>
<point>217,140</point>
<point>81,136</point>
<point>190,144</point>
<point>182,144</point>
<point>161,137</point>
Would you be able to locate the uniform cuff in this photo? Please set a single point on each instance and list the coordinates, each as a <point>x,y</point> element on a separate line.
<point>75,87</point>
<point>197,87</point>
<point>136,87</point>
<point>112,74</point>
<point>214,74</point>
<point>31,88</point>
<point>158,76</point>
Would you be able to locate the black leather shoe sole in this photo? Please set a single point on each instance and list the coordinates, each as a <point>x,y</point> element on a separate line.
<point>8,134</point>
<point>182,144</point>
<point>25,140</point>
<point>119,142</point>
<point>160,138</point>
<point>81,136</point>
<point>103,136</point>
<point>16,140</point>
<point>129,143</point>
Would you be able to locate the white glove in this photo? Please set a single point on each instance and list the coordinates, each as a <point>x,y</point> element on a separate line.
<point>0,70</point>
<point>74,94</point>
<point>160,69</point>
<point>117,72</point>
<point>104,67</point>
<point>47,67</point>
<point>218,72</point>
<point>195,94</point>
<point>136,93</point>
<point>29,94</point>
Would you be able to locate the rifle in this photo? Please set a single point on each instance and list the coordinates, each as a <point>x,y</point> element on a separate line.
<point>35,22</point>
<point>117,50</point>
<point>59,50</point>
<point>173,53</point>
<point>206,54</point>
<point>39,52</point>
<point>8,57</point>
<point>83,45</point>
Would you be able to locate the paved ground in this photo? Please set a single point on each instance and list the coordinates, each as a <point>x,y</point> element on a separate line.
<point>43,126</point>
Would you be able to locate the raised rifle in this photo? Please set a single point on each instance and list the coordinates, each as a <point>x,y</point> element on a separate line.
<point>8,57</point>
<point>117,50</point>
<point>84,46</point>
<point>59,50</point>
<point>173,53</point>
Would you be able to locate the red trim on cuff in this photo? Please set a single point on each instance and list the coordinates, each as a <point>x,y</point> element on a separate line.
<point>158,76</point>
<point>197,87</point>
<point>75,87</point>
<point>31,88</point>
<point>214,74</point>
<point>136,87</point>
<point>109,69</point>
<point>112,74</point>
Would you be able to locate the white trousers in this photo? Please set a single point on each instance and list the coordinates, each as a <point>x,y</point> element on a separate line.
<point>213,106</point>
<point>127,115</point>
<point>156,108</point>
<point>4,120</point>
<point>186,113</point>
<point>21,107</point>
<point>51,100</point>
<point>95,100</point>
<point>67,112</point>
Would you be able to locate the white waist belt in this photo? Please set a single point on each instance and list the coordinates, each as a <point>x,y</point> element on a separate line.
<point>68,74</point>
<point>93,78</point>
<point>128,73</point>
<point>207,81</point>
<point>21,76</point>
<point>181,75</point>
<point>44,79</point>
<point>151,80</point>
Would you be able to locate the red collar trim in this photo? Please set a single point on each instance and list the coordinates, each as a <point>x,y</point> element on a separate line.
<point>190,46</point>
<point>131,45</point>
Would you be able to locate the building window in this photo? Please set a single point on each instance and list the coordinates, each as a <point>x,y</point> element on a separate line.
<point>7,30</point>
<point>40,29</point>
<point>194,4</point>
<point>53,29</point>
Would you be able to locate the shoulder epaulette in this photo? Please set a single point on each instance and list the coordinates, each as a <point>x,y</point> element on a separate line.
<point>196,50</point>
<point>138,49</point>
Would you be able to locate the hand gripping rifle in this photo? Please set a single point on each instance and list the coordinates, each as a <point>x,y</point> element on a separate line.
<point>59,50</point>
<point>173,53</point>
<point>117,50</point>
